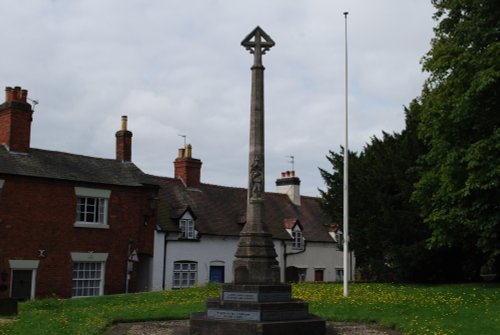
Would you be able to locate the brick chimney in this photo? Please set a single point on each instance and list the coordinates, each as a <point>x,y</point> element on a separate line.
<point>188,169</point>
<point>289,184</point>
<point>124,142</point>
<point>15,120</point>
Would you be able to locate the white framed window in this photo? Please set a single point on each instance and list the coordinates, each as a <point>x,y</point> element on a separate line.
<point>88,273</point>
<point>88,279</point>
<point>187,229</point>
<point>90,210</point>
<point>298,238</point>
<point>185,274</point>
<point>92,207</point>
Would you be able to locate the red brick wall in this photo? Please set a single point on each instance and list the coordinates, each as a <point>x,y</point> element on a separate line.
<point>189,170</point>
<point>124,146</point>
<point>4,126</point>
<point>40,214</point>
<point>15,126</point>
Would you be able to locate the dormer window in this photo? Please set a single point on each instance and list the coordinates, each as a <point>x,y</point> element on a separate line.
<point>187,227</point>
<point>294,228</point>
<point>298,238</point>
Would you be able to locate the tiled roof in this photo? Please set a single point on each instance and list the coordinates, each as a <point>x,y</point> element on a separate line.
<point>289,223</point>
<point>64,166</point>
<point>221,210</point>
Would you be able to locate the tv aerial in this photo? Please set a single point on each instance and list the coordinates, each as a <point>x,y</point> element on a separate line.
<point>34,102</point>
<point>292,161</point>
<point>184,137</point>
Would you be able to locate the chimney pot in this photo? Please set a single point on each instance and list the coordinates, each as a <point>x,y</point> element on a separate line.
<point>9,94</point>
<point>283,174</point>
<point>24,95</point>
<point>181,153</point>
<point>189,150</point>
<point>17,93</point>
<point>124,122</point>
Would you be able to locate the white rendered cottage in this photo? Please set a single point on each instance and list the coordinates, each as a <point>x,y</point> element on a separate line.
<point>199,226</point>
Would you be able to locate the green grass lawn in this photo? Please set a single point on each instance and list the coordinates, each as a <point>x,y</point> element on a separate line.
<point>412,309</point>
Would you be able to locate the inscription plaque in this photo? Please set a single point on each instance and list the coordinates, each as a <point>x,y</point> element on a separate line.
<point>233,315</point>
<point>255,296</point>
<point>240,296</point>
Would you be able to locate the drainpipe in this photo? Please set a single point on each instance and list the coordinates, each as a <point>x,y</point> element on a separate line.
<point>284,259</point>
<point>129,265</point>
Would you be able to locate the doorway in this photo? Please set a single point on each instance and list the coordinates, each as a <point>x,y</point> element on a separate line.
<point>22,281</point>
<point>319,274</point>
<point>216,274</point>
<point>144,270</point>
<point>295,275</point>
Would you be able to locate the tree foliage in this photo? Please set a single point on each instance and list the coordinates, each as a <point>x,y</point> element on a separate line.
<point>386,232</point>
<point>459,188</point>
<point>425,203</point>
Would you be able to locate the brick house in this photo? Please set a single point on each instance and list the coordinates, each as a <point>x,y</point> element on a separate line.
<point>200,224</point>
<point>68,223</point>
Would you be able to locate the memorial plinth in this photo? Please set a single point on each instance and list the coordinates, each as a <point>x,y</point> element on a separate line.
<point>256,303</point>
<point>256,309</point>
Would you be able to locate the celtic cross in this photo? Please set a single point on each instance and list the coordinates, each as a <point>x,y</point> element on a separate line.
<point>258,42</point>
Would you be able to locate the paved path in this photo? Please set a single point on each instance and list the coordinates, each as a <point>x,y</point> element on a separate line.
<point>180,327</point>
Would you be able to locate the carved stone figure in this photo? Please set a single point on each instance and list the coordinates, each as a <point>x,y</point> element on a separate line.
<point>256,179</point>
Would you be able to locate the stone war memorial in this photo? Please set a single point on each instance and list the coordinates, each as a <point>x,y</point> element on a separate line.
<point>256,302</point>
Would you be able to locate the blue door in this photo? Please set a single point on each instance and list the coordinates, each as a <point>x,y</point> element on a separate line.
<point>216,274</point>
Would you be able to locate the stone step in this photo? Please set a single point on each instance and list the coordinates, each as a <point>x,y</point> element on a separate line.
<point>200,324</point>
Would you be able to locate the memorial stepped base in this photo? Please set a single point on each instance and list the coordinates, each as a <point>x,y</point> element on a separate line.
<point>256,309</point>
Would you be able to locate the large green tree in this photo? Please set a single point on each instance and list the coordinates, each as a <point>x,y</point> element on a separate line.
<point>386,232</point>
<point>459,188</point>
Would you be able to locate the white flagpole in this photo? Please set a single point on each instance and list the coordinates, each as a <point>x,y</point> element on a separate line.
<point>346,177</point>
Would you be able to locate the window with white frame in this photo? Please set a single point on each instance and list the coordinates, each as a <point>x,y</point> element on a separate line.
<point>185,274</point>
<point>187,229</point>
<point>92,207</point>
<point>88,273</point>
<point>90,210</point>
<point>298,238</point>
<point>88,279</point>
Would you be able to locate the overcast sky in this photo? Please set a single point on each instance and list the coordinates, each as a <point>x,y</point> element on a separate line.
<point>177,67</point>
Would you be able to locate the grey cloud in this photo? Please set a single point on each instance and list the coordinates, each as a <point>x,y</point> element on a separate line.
<point>177,67</point>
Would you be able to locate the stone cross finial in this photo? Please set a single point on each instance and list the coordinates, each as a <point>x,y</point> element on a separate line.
<point>258,43</point>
